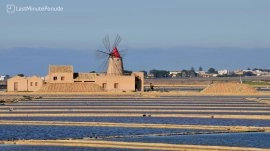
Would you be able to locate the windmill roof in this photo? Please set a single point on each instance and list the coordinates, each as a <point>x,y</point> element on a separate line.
<point>115,53</point>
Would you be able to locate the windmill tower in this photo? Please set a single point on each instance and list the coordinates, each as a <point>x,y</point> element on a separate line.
<point>114,61</point>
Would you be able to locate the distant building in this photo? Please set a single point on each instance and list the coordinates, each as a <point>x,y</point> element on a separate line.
<point>223,72</point>
<point>174,74</point>
<point>203,74</point>
<point>262,73</point>
<point>249,73</point>
<point>3,85</point>
<point>18,83</point>
<point>150,75</point>
<point>214,75</point>
<point>4,77</point>
<point>238,72</point>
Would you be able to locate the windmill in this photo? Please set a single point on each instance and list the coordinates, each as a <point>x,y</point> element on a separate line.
<point>114,60</point>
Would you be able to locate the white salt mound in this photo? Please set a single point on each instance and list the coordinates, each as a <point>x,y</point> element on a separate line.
<point>229,87</point>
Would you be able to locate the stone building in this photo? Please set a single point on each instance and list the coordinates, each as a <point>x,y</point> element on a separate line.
<point>18,83</point>
<point>61,76</point>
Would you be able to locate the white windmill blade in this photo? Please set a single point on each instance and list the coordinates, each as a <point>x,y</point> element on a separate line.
<point>117,41</point>
<point>106,42</point>
<point>103,64</point>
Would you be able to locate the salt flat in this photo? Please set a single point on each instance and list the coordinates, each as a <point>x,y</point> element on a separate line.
<point>132,121</point>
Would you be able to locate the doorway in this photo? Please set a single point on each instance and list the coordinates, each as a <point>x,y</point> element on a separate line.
<point>16,86</point>
<point>138,84</point>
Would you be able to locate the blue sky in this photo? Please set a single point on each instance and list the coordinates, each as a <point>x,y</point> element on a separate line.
<point>173,35</point>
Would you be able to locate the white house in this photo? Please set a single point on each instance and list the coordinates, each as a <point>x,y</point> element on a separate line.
<point>262,73</point>
<point>173,74</point>
<point>202,74</point>
<point>4,77</point>
<point>223,72</point>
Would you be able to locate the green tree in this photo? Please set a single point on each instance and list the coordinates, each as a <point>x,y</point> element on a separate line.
<point>249,73</point>
<point>200,68</point>
<point>159,73</point>
<point>184,73</point>
<point>20,75</point>
<point>192,69</point>
<point>192,72</point>
<point>178,75</point>
<point>212,70</point>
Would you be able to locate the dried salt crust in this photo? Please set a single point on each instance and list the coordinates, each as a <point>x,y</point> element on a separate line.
<point>229,87</point>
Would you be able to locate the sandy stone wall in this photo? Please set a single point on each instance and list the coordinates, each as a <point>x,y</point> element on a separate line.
<point>124,83</point>
<point>17,83</point>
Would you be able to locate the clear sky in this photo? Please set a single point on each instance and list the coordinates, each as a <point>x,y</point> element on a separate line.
<point>161,34</point>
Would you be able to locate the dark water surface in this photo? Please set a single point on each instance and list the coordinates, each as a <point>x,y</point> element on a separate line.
<point>257,140</point>
<point>16,132</point>
<point>151,120</point>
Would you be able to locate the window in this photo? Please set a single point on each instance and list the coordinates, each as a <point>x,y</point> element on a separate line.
<point>31,83</point>
<point>54,78</point>
<point>36,84</point>
<point>104,85</point>
<point>116,85</point>
<point>62,78</point>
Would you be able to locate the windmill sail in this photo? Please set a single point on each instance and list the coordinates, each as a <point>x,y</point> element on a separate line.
<point>115,62</point>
